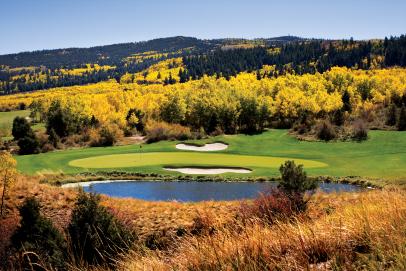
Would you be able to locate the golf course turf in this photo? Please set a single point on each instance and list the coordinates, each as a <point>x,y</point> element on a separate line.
<point>383,155</point>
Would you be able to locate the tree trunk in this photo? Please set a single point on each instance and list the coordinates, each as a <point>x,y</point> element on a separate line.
<point>2,200</point>
<point>3,194</point>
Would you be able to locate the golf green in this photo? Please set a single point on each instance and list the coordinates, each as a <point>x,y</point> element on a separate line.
<point>186,159</point>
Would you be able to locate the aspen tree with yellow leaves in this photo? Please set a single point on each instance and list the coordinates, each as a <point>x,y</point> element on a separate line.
<point>8,174</point>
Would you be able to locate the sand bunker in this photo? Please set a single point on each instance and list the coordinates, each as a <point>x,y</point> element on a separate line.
<point>194,170</point>
<point>207,147</point>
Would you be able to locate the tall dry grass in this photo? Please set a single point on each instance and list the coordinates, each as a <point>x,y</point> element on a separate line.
<point>364,231</point>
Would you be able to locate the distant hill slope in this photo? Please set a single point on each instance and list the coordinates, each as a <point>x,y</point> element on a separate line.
<point>113,54</point>
<point>103,55</point>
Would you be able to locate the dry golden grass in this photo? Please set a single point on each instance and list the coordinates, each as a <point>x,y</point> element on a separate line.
<point>346,231</point>
<point>144,216</point>
<point>364,231</point>
<point>150,217</point>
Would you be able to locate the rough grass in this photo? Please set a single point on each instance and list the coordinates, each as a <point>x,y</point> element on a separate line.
<point>145,216</point>
<point>383,155</point>
<point>345,231</point>
<point>363,231</point>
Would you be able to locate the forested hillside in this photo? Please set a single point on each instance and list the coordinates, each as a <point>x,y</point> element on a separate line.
<point>30,71</point>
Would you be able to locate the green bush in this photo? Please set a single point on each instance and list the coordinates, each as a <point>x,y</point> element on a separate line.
<point>96,236</point>
<point>36,234</point>
<point>27,140</point>
<point>28,145</point>
<point>295,183</point>
<point>21,128</point>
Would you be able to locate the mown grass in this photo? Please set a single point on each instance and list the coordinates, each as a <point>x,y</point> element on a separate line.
<point>179,158</point>
<point>383,155</point>
<point>6,123</point>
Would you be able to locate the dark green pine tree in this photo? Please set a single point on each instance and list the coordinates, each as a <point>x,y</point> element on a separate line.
<point>259,77</point>
<point>346,101</point>
<point>391,115</point>
<point>38,235</point>
<point>402,119</point>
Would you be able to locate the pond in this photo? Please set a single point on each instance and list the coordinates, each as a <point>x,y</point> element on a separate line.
<point>192,190</point>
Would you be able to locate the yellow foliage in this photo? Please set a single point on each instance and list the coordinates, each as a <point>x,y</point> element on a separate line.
<point>285,96</point>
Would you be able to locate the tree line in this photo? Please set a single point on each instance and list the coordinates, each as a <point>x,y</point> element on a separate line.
<point>300,57</point>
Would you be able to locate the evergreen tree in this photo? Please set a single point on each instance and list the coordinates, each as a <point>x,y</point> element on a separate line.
<point>21,128</point>
<point>28,145</point>
<point>402,119</point>
<point>346,101</point>
<point>391,115</point>
<point>96,236</point>
<point>37,234</point>
<point>295,183</point>
<point>259,77</point>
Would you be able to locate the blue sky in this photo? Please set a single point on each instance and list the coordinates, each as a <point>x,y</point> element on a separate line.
<point>27,25</point>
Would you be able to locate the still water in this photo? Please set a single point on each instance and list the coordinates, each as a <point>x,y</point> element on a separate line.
<point>194,191</point>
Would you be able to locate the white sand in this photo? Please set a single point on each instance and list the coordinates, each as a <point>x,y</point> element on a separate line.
<point>83,184</point>
<point>207,147</point>
<point>188,170</point>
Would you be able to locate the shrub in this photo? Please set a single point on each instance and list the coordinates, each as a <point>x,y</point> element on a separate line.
<point>21,128</point>
<point>157,131</point>
<point>402,119</point>
<point>269,207</point>
<point>107,135</point>
<point>36,234</point>
<point>96,236</point>
<point>338,117</point>
<point>53,138</point>
<point>360,131</point>
<point>325,131</point>
<point>47,148</point>
<point>295,183</point>
<point>110,134</point>
<point>28,145</point>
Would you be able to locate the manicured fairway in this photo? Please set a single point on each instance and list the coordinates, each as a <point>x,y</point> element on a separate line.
<point>382,155</point>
